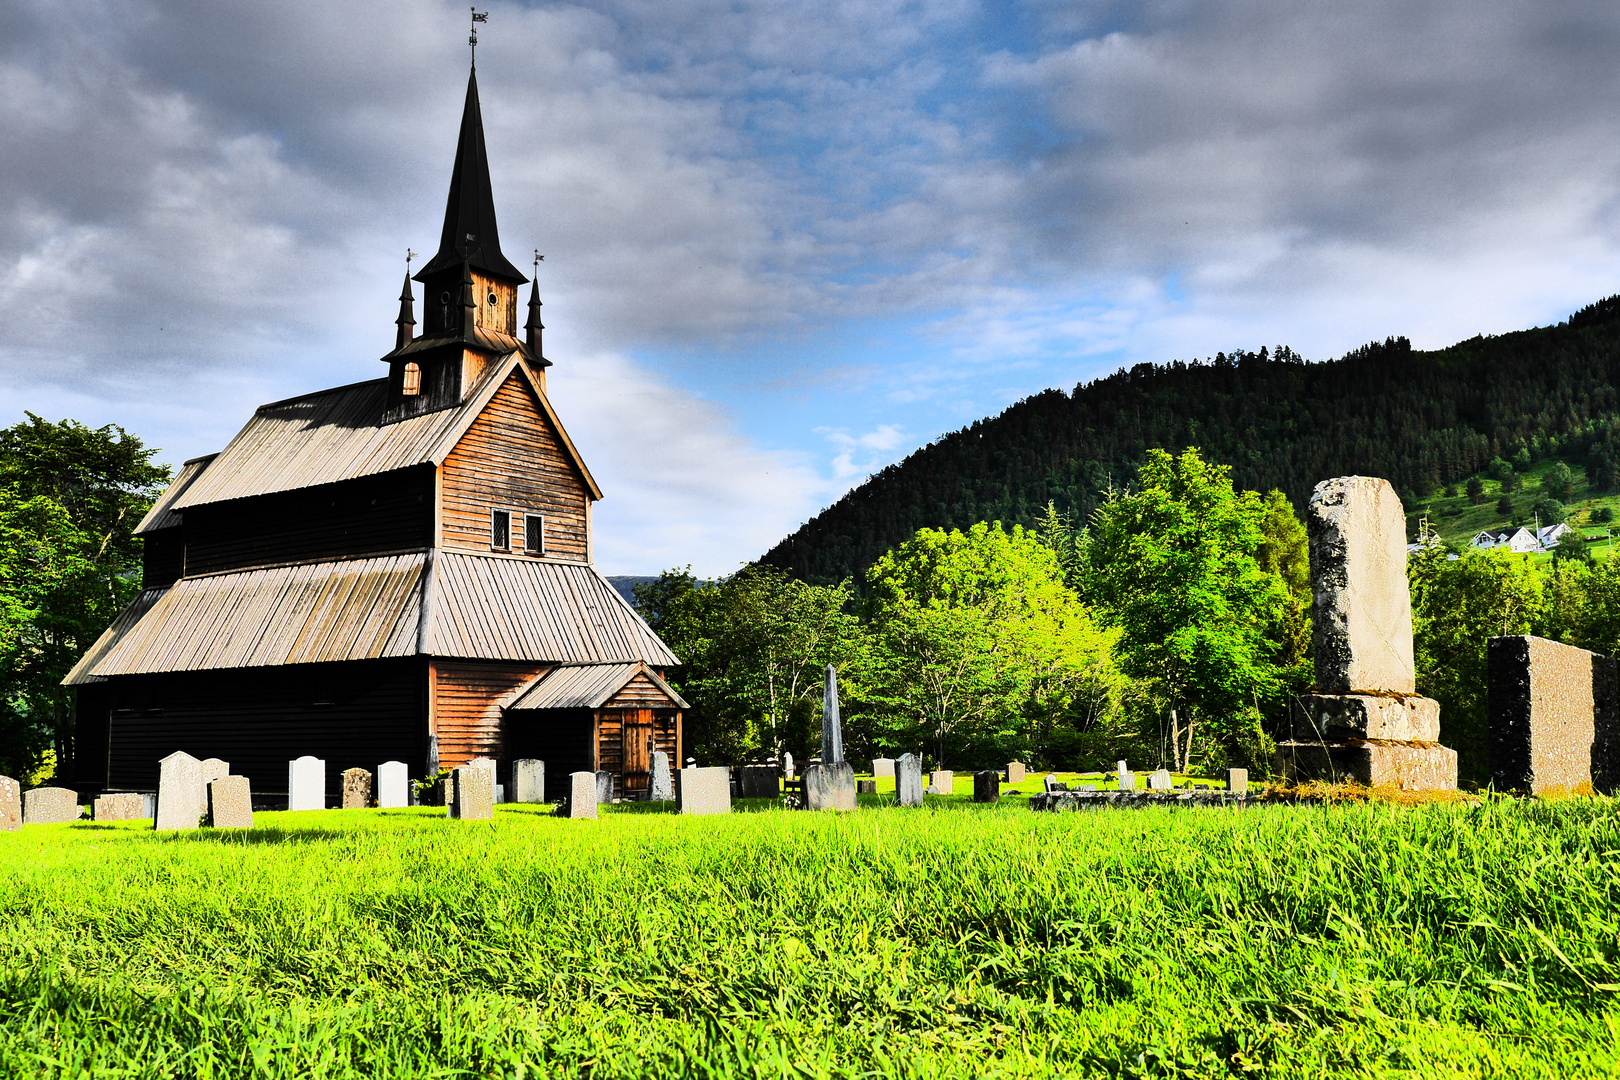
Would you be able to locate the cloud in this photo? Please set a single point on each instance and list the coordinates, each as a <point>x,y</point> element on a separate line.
<point>876,446</point>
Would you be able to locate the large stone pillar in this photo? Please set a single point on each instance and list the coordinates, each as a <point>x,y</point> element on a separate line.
<point>1365,722</point>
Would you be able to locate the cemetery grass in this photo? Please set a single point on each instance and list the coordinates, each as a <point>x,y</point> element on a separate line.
<point>958,940</point>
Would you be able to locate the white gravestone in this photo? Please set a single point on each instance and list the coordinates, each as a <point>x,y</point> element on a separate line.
<point>787,767</point>
<point>1127,779</point>
<point>474,798</point>
<point>230,803</point>
<point>45,805</point>
<point>581,796</point>
<point>528,780</point>
<point>908,788</point>
<point>1159,780</point>
<point>663,786</point>
<point>306,784</point>
<point>883,768</point>
<point>488,765</point>
<point>704,791</point>
<point>180,792</point>
<point>393,784</point>
<point>942,782</point>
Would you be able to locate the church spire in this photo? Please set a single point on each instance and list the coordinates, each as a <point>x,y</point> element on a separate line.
<point>407,309</point>
<point>534,325</point>
<point>470,234</point>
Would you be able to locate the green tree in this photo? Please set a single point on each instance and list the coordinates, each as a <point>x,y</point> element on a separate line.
<point>1500,471</point>
<point>70,498</point>
<point>980,647</point>
<point>1559,482</point>
<point>1549,511</point>
<point>1176,568</point>
<point>1504,507</point>
<point>1476,490</point>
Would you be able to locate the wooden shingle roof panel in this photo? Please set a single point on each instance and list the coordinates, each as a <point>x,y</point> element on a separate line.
<point>162,515</point>
<point>121,626</point>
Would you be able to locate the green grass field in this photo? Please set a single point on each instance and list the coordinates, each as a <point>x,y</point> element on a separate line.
<point>955,940</point>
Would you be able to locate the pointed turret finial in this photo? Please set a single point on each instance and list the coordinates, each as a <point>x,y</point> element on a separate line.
<point>535,326</point>
<point>407,307</point>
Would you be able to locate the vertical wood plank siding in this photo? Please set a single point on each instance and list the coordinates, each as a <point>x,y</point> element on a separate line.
<point>639,693</point>
<point>351,714</point>
<point>388,512</point>
<point>512,458</point>
<point>610,736</point>
<point>466,709</point>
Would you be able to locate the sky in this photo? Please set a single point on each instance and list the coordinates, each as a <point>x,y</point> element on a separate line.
<point>786,243</point>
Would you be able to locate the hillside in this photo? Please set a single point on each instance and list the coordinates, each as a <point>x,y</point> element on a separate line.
<point>1424,420</point>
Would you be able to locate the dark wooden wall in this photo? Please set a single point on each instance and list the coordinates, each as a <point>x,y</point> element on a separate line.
<point>466,713</point>
<point>373,514</point>
<point>163,558</point>
<point>512,458</point>
<point>361,713</point>
<point>559,737</point>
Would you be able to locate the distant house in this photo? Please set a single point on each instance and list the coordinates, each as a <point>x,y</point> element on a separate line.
<point>1552,535</point>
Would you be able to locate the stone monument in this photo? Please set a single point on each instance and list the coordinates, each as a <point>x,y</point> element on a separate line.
<point>581,801</point>
<point>1237,782</point>
<point>10,804</point>
<point>1553,716</point>
<point>1127,779</point>
<point>180,793</point>
<point>212,768</point>
<point>830,785</point>
<point>708,791</point>
<point>48,805</point>
<point>306,784</point>
<point>393,784</point>
<point>528,780</point>
<point>230,803</point>
<point>119,806</point>
<point>987,786</point>
<point>1365,721</point>
<point>473,795</point>
<point>908,786</point>
<point>866,787</point>
<point>356,789</point>
<point>883,768</point>
<point>758,782</point>
<point>787,767</point>
<point>1015,772</point>
<point>663,786</point>
<point>940,783</point>
<point>1159,780</point>
<point>604,787</point>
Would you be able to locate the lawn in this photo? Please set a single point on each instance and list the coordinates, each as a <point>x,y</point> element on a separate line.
<point>955,940</point>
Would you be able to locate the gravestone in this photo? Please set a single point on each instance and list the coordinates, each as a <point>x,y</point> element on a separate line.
<point>1015,772</point>
<point>760,782</point>
<point>581,800</point>
<point>908,786</point>
<point>604,787</point>
<point>211,768</point>
<point>306,783</point>
<point>787,767</point>
<point>830,787</point>
<point>1553,716</point>
<point>941,781</point>
<point>1237,782</point>
<point>474,795</point>
<point>1127,779</point>
<point>1364,722</point>
<point>119,806</point>
<point>10,804</point>
<point>832,731</point>
<point>393,784</point>
<point>529,780</point>
<point>47,805</point>
<point>488,765</point>
<point>986,786</point>
<point>663,786</point>
<point>356,789</point>
<point>883,768</point>
<point>180,793</point>
<point>707,791</point>
<point>866,787</point>
<point>1052,783</point>
<point>230,803</point>
<point>1159,780</point>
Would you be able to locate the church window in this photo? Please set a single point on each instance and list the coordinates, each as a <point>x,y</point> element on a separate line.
<point>500,530</point>
<point>411,381</point>
<point>534,534</point>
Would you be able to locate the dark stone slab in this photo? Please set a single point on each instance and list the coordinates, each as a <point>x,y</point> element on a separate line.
<point>987,786</point>
<point>759,782</point>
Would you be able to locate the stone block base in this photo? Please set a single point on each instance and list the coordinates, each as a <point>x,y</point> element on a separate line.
<point>1409,766</point>
<point>1381,717</point>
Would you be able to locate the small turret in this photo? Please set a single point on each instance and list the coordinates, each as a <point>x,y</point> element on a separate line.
<point>534,326</point>
<point>407,312</point>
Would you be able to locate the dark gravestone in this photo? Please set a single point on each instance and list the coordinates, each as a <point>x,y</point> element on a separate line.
<point>1552,710</point>
<point>987,786</point>
<point>759,782</point>
<point>866,787</point>
<point>604,787</point>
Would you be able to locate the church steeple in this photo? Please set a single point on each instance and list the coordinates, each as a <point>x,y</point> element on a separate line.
<point>470,233</point>
<point>407,312</point>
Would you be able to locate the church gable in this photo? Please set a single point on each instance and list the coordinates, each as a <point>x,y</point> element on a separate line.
<point>511,482</point>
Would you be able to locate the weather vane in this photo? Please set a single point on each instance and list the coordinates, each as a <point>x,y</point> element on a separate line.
<point>538,259</point>
<point>409,255</point>
<point>472,39</point>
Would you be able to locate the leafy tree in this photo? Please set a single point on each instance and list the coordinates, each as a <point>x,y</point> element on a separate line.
<point>1500,471</point>
<point>1559,482</point>
<point>70,498</point>
<point>1603,515</point>
<point>979,647</point>
<point>1504,507</point>
<point>1476,490</point>
<point>1058,532</point>
<point>1549,511</point>
<point>1175,567</point>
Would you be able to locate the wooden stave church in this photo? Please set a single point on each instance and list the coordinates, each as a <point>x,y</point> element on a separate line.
<point>399,569</point>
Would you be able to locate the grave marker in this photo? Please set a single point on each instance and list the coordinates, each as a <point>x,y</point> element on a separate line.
<point>866,787</point>
<point>1159,780</point>
<point>663,786</point>
<point>356,789</point>
<point>1015,772</point>
<point>10,804</point>
<point>787,766</point>
<point>604,787</point>
<point>908,786</point>
<point>708,791</point>
<point>529,780</point>
<point>180,793</point>
<point>119,806</point>
<point>1553,716</point>
<point>211,768</point>
<point>393,784</point>
<point>941,781</point>
<point>883,768</point>
<point>1237,782</point>
<point>48,805</point>
<point>306,783</point>
<point>1127,779</point>
<point>581,801</point>
<point>830,787</point>
<point>760,782</point>
<point>986,786</point>
<point>474,795</point>
<point>230,803</point>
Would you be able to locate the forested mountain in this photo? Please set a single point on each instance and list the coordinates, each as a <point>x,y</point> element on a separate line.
<point>1420,419</point>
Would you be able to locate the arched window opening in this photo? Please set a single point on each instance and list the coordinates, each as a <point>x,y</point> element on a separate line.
<point>411,384</point>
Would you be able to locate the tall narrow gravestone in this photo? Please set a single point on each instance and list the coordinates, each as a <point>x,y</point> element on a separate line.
<point>986,786</point>
<point>48,805</point>
<point>1237,782</point>
<point>604,787</point>
<point>306,784</point>
<point>488,765</point>
<point>10,804</point>
<point>393,784</point>
<point>356,789</point>
<point>787,767</point>
<point>1127,779</point>
<point>180,792</point>
<point>908,787</point>
<point>230,803</point>
<point>581,801</point>
<point>1553,716</point>
<point>211,768</point>
<point>1365,721</point>
<point>663,786</point>
<point>528,780</point>
<point>707,791</point>
<point>473,797</point>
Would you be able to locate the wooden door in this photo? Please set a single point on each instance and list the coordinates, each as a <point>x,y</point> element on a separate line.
<point>636,731</point>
